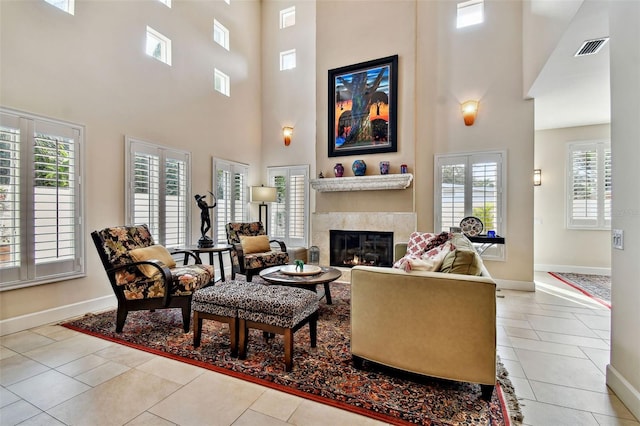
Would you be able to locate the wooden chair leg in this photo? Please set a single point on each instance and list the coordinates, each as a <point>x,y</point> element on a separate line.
<point>288,349</point>
<point>242,338</point>
<point>121,317</point>
<point>233,337</point>
<point>186,317</point>
<point>197,328</point>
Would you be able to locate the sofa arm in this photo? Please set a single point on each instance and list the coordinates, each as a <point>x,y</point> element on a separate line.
<point>399,251</point>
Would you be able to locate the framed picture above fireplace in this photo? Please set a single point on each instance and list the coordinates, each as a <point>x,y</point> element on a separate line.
<point>363,111</point>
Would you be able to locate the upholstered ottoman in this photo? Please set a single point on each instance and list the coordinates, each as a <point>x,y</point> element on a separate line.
<point>277,309</point>
<point>219,303</point>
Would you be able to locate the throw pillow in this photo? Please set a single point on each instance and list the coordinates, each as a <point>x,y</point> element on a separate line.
<point>256,244</point>
<point>155,252</point>
<point>418,243</point>
<point>430,261</point>
<point>461,261</point>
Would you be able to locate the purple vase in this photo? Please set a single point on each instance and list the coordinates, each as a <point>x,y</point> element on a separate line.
<point>338,170</point>
<point>384,167</point>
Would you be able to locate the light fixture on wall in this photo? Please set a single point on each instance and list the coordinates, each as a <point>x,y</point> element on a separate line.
<point>537,177</point>
<point>263,194</point>
<point>287,132</point>
<point>469,111</point>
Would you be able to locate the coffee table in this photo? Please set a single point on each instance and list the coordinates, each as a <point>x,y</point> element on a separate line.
<point>324,277</point>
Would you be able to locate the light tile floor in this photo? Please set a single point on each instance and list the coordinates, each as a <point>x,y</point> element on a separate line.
<point>554,342</point>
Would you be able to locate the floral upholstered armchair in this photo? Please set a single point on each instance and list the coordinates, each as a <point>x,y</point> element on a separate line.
<point>144,275</point>
<point>252,250</point>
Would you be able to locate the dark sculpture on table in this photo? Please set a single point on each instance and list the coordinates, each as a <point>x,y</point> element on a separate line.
<point>205,218</point>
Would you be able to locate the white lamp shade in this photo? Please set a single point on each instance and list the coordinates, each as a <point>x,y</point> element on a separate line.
<point>263,194</point>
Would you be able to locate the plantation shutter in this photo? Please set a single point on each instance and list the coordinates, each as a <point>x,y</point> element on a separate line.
<point>289,214</point>
<point>230,183</point>
<point>10,235</point>
<point>158,191</point>
<point>589,185</point>
<point>451,186</point>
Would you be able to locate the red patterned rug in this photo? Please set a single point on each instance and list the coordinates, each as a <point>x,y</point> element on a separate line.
<point>325,374</point>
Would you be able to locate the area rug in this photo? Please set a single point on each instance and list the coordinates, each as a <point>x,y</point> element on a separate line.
<point>324,374</point>
<point>598,287</point>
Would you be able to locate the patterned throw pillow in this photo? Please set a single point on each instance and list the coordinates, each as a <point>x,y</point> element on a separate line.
<point>419,244</point>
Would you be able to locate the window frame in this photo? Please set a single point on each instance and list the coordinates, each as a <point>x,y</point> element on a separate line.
<point>225,82</point>
<point>465,11</point>
<point>222,215</point>
<point>495,252</point>
<point>158,228</point>
<point>163,41</point>
<point>67,6</point>
<point>284,200</point>
<point>284,55</point>
<point>29,269</point>
<point>601,221</point>
<point>219,28</point>
<point>285,15</point>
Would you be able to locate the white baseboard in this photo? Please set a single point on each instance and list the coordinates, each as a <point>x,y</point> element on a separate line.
<point>629,395</point>
<point>572,269</point>
<point>37,319</point>
<point>515,285</point>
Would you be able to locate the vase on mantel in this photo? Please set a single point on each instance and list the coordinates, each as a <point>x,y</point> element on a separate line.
<point>359,167</point>
<point>338,170</point>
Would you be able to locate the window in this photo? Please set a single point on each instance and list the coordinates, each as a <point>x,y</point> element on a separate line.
<point>589,185</point>
<point>221,82</point>
<point>220,34</point>
<point>166,3</point>
<point>230,180</point>
<point>66,5</point>
<point>158,46</point>
<point>158,191</point>
<point>288,59</point>
<point>470,13</point>
<point>288,17</point>
<point>41,199</point>
<point>471,185</point>
<point>290,213</point>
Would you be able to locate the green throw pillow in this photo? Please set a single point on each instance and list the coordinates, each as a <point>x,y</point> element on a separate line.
<point>461,262</point>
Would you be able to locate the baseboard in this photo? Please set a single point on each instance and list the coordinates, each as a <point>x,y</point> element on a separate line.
<point>572,269</point>
<point>37,319</point>
<point>629,395</point>
<point>515,285</point>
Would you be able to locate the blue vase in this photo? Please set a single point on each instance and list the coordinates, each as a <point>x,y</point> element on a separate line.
<point>359,167</point>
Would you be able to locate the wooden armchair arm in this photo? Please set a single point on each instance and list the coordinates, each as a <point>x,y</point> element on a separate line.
<point>283,246</point>
<point>188,254</point>
<point>164,270</point>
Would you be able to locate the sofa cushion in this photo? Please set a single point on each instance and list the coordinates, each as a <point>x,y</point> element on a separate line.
<point>462,261</point>
<point>154,252</point>
<point>256,244</point>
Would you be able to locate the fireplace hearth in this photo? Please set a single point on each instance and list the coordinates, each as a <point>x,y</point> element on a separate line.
<point>350,248</point>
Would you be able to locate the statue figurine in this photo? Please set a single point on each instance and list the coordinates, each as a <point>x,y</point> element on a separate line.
<point>205,218</point>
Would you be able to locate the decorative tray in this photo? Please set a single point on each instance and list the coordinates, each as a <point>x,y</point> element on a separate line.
<point>471,226</point>
<point>306,270</point>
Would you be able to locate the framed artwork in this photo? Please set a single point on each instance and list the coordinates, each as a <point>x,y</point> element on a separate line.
<point>363,109</point>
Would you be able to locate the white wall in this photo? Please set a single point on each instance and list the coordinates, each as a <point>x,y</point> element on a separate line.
<point>623,373</point>
<point>91,69</point>
<point>557,248</point>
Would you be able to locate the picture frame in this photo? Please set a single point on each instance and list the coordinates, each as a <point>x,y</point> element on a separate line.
<point>363,108</point>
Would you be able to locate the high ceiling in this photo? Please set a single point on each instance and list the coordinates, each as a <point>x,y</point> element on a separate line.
<point>574,91</point>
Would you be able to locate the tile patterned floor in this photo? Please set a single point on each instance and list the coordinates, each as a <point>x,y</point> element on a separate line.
<point>554,342</point>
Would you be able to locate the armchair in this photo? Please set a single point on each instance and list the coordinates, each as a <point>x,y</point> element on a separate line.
<point>252,250</point>
<point>144,275</point>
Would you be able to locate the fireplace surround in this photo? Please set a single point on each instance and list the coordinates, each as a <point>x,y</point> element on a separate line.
<point>349,248</point>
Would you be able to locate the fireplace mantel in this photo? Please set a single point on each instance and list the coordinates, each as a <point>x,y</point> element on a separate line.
<point>362,183</point>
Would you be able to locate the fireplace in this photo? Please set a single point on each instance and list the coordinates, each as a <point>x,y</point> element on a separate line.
<point>351,248</point>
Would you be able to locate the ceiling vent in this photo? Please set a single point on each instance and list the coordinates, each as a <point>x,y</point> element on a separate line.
<point>591,47</point>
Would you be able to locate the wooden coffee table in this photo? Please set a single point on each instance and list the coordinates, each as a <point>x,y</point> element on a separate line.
<point>324,277</point>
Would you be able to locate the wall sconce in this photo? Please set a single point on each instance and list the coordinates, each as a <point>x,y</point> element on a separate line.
<point>287,132</point>
<point>263,194</point>
<point>469,111</point>
<point>537,177</point>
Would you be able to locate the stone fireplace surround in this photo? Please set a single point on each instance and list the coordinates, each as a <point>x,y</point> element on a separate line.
<point>400,223</point>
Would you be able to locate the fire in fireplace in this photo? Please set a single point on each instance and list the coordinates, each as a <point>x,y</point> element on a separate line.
<point>351,248</point>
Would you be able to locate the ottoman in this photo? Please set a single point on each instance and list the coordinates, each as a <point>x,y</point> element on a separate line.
<point>277,309</point>
<point>219,303</point>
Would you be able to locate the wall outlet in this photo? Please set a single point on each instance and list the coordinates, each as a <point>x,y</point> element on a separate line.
<point>617,237</point>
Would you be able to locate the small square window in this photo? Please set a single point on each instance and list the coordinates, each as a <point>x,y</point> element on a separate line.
<point>220,34</point>
<point>227,1</point>
<point>288,60</point>
<point>288,17</point>
<point>166,3</point>
<point>470,13</point>
<point>66,5</point>
<point>221,82</point>
<point>158,46</point>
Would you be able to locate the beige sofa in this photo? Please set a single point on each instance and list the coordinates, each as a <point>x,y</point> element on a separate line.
<point>432,323</point>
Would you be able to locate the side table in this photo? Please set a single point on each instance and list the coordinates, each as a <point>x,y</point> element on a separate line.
<point>218,248</point>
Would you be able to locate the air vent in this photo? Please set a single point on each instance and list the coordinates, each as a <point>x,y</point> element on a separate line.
<point>591,47</point>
